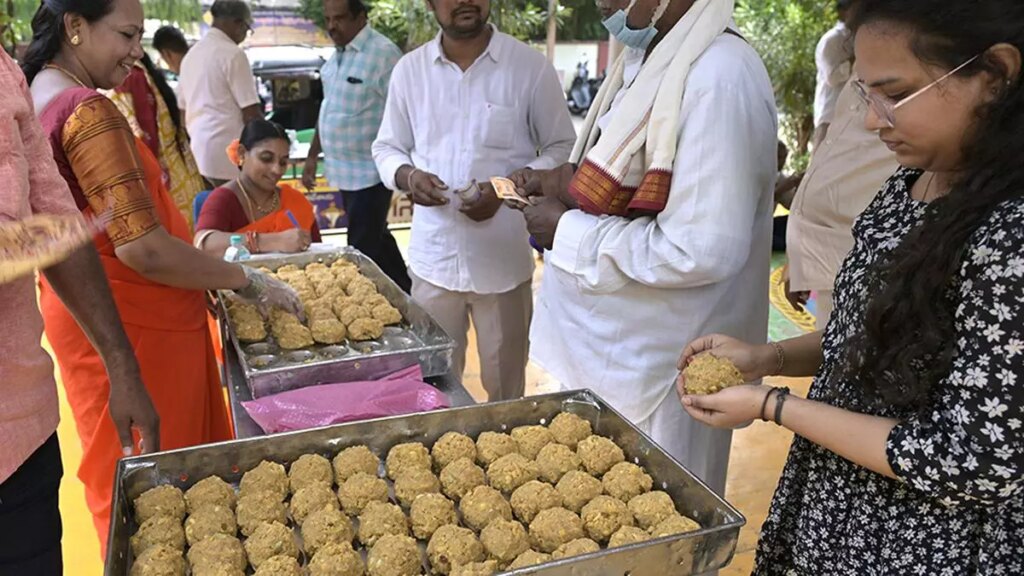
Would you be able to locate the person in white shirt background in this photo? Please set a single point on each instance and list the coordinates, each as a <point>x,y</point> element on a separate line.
<point>218,90</point>
<point>833,57</point>
<point>682,243</point>
<point>472,104</point>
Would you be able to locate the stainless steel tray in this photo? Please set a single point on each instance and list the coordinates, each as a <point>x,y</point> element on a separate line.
<point>269,370</point>
<point>710,548</point>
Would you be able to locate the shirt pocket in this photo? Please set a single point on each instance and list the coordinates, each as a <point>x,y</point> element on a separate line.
<point>354,98</point>
<point>499,128</point>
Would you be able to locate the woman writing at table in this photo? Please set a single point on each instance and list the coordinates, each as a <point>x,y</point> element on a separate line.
<point>273,217</point>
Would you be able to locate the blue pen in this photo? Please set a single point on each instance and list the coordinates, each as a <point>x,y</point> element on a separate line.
<point>292,218</point>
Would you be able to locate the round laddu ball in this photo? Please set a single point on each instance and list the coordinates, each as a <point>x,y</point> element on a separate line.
<point>485,568</point>
<point>651,508</point>
<point>208,521</point>
<point>531,439</point>
<point>394,555</point>
<point>403,457</point>
<point>532,497</point>
<point>326,526</point>
<point>626,481</point>
<point>450,447</point>
<point>269,540</point>
<point>210,491</point>
<point>603,516</point>
<point>493,445</point>
<point>310,499</point>
<point>379,519</point>
<point>217,570</point>
<point>554,460</point>
<point>554,527</point>
<point>160,501</point>
<point>159,561</point>
<point>310,469</point>
<point>569,429</point>
<point>599,454</point>
<point>628,535</point>
<point>355,460</point>
<point>529,558</point>
<point>413,482</point>
<point>159,530</point>
<point>482,506</point>
<point>461,476</point>
<point>218,549</point>
<point>511,471</point>
<point>505,540</point>
<point>280,566</point>
<point>360,490</point>
<point>577,547</point>
<point>337,560</point>
<point>255,509</point>
<point>429,512</point>
<point>266,477</point>
<point>577,489</point>
<point>451,546</point>
<point>677,524</point>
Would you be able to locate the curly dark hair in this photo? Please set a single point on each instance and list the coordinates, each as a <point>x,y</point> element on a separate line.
<point>908,340</point>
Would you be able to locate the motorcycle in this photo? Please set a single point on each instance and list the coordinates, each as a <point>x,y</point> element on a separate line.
<point>582,91</point>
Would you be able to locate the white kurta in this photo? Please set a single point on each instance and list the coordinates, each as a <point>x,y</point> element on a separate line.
<point>620,298</point>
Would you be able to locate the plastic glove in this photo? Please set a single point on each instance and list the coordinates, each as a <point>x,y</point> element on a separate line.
<point>268,293</point>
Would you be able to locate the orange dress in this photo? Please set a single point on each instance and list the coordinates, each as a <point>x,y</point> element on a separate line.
<point>110,171</point>
<point>223,213</point>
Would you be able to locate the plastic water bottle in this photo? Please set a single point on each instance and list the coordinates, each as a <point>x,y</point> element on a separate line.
<point>237,252</point>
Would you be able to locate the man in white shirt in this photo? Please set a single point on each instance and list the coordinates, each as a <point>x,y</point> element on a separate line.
<point>218,90</point>
<point>834,59</point>
<point>472,104</point>
<point>650,248</point>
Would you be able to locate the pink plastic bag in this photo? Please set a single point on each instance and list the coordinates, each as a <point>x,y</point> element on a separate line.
<point>403,392</point>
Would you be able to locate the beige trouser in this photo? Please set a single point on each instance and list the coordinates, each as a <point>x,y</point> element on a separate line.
<point>502,323</point>
<point>824,309</point>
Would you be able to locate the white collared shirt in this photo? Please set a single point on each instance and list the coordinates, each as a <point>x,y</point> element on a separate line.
<point>505,112</point>
<point>833,57</point>
<point>216,83</point>
<point>621,297</point>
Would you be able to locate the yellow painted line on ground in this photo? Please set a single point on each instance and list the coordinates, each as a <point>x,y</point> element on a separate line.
<point>777,295</point>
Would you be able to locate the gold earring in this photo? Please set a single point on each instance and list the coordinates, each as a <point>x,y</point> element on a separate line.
<point>75,40</point>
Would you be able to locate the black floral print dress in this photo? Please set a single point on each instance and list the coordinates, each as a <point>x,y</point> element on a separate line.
<point>957,509</point>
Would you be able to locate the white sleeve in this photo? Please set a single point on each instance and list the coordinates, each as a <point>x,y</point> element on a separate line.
<point>394,143</point>
<point>838,58</point>
<point>550,123</point>
<point>705,232</point>
<point>241,81</point>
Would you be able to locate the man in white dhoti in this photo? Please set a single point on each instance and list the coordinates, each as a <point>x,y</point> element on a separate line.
<point>662,232</point>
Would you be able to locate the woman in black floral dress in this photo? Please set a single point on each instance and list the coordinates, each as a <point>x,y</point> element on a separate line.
<point>909,456</point>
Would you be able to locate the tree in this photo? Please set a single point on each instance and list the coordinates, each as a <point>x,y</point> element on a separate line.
<point>410,23</point>
<point>785,33</point>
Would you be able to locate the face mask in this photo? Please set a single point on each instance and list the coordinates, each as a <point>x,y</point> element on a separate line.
<point>639,39</point>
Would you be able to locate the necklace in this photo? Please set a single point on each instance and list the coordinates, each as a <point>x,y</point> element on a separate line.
<point>275,202</point>
<point>67,73</point>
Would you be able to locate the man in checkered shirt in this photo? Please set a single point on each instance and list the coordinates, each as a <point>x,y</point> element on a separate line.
<point>355,83</point>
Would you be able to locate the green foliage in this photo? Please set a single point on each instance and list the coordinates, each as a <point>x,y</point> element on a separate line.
<point>410,23</point>
<point>178,12</point>
<point>581,21</point>
<point>16,19</point>
<point>785,33</point>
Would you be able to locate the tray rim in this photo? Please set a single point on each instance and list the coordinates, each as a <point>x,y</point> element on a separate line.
<point>735,519</point>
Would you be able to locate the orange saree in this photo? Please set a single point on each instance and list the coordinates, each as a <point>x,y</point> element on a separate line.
<point>223,212</point>
<point>110,171</point>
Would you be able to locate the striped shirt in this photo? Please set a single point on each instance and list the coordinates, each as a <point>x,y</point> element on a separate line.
<point>355,83</point>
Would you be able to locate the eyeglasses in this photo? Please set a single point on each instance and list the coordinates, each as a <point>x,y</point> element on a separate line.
<point>885,108</point>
